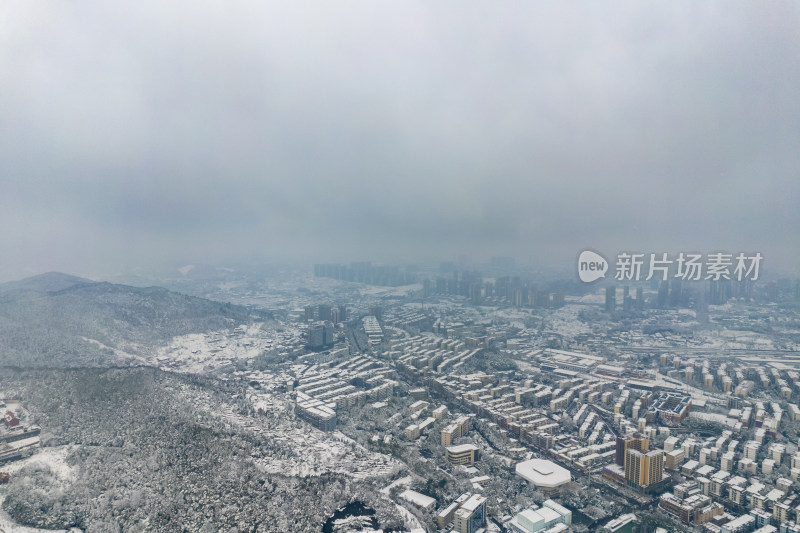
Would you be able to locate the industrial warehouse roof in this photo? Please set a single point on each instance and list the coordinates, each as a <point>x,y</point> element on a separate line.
<point>543,473</point>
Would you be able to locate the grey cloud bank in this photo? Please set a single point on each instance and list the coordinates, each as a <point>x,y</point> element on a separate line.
<point>151,132</point>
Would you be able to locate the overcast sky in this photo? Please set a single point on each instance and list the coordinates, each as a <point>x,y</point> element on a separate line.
<point>186,132</point>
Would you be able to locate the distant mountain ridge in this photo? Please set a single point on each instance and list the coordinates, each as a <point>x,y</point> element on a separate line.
<point>47,282</point>
<point>58,320</point>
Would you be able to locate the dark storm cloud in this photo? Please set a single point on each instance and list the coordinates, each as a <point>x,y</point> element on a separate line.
<point>152,132</point>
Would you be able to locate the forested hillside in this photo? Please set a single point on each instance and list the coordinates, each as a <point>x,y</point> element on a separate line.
<point>55,320</point>
<point>144,458</point>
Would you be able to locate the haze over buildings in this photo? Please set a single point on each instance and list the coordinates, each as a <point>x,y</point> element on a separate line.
<point>409,267</point>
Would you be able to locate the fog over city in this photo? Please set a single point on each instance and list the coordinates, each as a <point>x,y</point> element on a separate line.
<point>152,133</point>
<point>399,267</point>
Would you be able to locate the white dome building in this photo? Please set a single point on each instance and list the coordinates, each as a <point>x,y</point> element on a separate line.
<point>545,475</point>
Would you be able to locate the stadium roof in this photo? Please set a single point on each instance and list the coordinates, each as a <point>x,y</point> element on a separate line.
<point>543,473</point>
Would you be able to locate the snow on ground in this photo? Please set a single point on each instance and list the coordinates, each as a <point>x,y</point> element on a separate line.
<point>745,339</point>
<point>315,453</point>
<point>714,417</point>
<point>296,448</point>
<point>55,459</point>
<point>353,524</point>
<point>595,298</point>
<point>9,526</point>
<point>735,339</point>
<point>381,292</point>
<point>119,353</point>
<point>410,521</point>
<point>204,352</point>
<point>565,322</point>
<point>694,392</point>
<point>402,482</point>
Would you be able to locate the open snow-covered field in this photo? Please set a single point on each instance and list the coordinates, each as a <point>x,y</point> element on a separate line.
<point>54,458</point>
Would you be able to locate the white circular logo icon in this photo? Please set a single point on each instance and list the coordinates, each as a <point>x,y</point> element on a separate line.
<point>591,266</point>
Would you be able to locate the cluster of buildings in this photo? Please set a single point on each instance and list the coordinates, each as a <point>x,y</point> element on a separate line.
<point>320,335</point>
<point>422,355</point>
<point>17,436</point>
<point>373,330</point>
<point>617,417</point>
<point>726,476</point>
<point>501,291</point>
<point>325,313</point>
<point>551,359</point>
<point>581,402</point>
<point>551,517</point>
<point>738,378</point>
<point>415,430</point>
<point>635,464</point>
<point>467,514</point>
<point>322,321</point>
<point>669,408</point>
<point>409,319</point>
<point>689,503</point>
<point>457,429</point>
<point>628,301</point>
<point>532,412</point>
<point>461,454</point>
<point>321,389</point>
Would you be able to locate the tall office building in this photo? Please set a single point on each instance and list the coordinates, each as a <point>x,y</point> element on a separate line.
<point>644,469</point>
<point>475,293</point>
<point>634,441</point>
<point>701,307</point>
<point>321,335</point>
<point>611,299</point>
<point>627,302</point>
<point>541,298</point>
<point>675,294</point>
<point>427,288</point>
<point>472,515</point>
<point>448,433</point>
<point>558,299</point>
<point>663,295</point>
<point>324,312</point>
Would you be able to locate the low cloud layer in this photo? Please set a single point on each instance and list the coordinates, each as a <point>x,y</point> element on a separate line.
<point>159,132</point>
